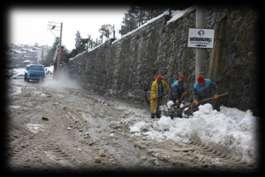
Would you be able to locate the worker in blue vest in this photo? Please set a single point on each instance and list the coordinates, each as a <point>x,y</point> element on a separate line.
<point>205,88</point>
<point>178,89</point>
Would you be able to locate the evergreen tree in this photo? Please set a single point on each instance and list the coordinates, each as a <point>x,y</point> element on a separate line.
<point>129,21</point>
<point>98,42</point>
<point>77,40</point>
<point>137,16</point>
<point>80,43</point>
<point>106,30</point>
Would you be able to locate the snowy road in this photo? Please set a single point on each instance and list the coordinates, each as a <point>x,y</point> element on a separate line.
<point>59,125</point>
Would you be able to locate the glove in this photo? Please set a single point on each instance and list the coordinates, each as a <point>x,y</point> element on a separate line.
<point>153,99</point>
<point>195,103</point>
<point>185,93</point>
<point>215,97</point>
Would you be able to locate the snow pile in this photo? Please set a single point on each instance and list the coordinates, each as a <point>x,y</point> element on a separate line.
<point>139,126</point>
<point>230,127</point>
<point>49,69</point>
<point>18,73</point>
<point>170,103</point>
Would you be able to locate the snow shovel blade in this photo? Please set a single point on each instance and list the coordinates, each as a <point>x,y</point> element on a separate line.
<point>177,111</point>
<point>193,108</point>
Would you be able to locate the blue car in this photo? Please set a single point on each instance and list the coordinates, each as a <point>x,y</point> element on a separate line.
<point>34,72</point>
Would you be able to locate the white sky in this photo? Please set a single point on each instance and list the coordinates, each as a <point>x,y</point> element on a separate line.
<point>28,26</point>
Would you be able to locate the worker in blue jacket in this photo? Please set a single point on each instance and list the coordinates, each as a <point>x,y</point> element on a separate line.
<point>205,88</point>
<point>178,89</point>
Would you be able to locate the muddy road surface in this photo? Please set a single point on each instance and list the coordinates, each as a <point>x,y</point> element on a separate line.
<point>60,127</point>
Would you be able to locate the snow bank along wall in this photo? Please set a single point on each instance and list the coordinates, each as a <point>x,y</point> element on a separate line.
<point>124,67</point>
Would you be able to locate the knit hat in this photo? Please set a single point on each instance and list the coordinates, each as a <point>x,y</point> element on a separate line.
<point>159,77</point>
<point>181,77</point>
<point>200,79</point>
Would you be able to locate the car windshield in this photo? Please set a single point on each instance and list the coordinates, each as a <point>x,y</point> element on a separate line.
<point>35,68</point>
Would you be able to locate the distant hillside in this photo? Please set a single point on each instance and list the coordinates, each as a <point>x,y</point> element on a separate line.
<point>21,55</point>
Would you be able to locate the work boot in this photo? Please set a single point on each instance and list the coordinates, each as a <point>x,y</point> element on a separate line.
<point>216,106</point>
<point>152,115</point>
<point>158,114</point>
<point>179,115</point>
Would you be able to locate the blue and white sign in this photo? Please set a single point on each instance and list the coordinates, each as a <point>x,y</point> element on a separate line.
<point>201,38</point>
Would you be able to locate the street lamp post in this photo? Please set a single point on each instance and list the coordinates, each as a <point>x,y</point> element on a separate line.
<point>53,26</point>
<point>61,29</point>
<point>113,29</point>
<point>60,52</point>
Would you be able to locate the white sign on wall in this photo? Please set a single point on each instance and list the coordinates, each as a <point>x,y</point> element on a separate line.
<point>201,38</point>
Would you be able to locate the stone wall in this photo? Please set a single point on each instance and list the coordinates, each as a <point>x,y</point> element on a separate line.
<point>124,68</point>
<point>237,71</point>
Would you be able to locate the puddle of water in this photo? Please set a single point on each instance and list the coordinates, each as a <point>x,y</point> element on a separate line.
<point>35,128</point>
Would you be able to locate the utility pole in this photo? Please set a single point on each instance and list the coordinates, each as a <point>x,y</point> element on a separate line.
<point>60,49</point>
<point>54,26</point>
<point>200,54</point>
<point>113,29</point>
<point>61,29</point>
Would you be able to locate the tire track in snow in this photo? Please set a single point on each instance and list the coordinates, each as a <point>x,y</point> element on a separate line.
<point>227,159</point>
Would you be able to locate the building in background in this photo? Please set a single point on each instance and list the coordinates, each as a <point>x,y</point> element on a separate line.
<point>22,55</point>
